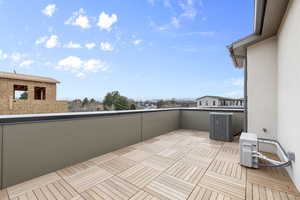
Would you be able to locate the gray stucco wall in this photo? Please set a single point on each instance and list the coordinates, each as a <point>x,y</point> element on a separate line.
<point>199,120</point>
<point>34,149</point>
<point>155,124</point>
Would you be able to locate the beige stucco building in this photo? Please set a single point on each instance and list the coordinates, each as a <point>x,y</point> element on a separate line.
<point>270,57</point>
<point>26,94</point>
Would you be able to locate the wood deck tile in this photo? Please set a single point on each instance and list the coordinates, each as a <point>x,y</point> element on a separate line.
<point>158,162</point>
<point>182,164</point>
<point>112,189</point>
<point>69,171</point>
<point>139,175</point>
<point>275,178</point>
<point>104,158</point>
<point>52,191</point>
<point>201,193</point>
<point>203,152</point>
<point>186,171</point>
<point>123,151</point>
<point>260,192</point>
<point>167,187</point>
<point>22,188</point>
<point>227,168</point>
<point>202,163</point>
<point>151,148</point>
<point>137,155</point>
<point>226,185</point>
<point>229,152</point>
<point>172,153</point>
<point>88,178</point>
<point>117,165</point>
<point>141,195</point>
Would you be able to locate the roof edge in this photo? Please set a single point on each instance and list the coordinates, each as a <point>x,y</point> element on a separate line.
<point>260,9</point>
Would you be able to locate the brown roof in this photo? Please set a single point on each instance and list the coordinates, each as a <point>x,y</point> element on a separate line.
<point>24,77</point>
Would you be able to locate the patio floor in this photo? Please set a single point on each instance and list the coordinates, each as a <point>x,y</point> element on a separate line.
<point>182,164</point>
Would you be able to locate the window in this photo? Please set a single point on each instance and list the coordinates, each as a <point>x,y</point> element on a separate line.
<point>39,93</point>
<point>214,103</point>
<point>20,92</point>
<point>200,103</point>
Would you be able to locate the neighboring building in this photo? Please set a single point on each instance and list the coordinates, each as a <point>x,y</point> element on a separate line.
<point>216,101</point>
<point>270,57</point>
<point>26,94</point>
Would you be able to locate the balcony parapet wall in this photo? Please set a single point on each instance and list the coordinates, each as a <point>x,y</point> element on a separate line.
<point>34,145</point>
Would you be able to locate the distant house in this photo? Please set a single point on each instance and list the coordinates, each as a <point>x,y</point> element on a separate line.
<point>217,101</point>
<point>26,94</point>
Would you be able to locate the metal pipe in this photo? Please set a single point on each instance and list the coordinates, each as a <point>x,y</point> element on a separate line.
<point>246,93</point>
<point>273,163</point>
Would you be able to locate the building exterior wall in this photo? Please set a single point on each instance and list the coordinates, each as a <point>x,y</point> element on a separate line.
<point>214,101</point>
<point>288,86</point>
<point>207,101</point>
<point>8,105</point>
<point>262,88</point>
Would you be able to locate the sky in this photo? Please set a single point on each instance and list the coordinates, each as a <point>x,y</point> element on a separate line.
<point>146,49</point>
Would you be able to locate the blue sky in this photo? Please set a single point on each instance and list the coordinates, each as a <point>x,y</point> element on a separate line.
<point>146,49</point>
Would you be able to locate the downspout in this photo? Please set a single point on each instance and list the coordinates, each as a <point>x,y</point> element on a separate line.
<point>246,92</point>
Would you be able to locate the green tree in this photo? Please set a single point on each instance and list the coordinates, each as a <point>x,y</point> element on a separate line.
<point>24,96</point>
<point>92,101</point>
<point>132,107</point>
<point>85,102</point>
<point>114,101</point>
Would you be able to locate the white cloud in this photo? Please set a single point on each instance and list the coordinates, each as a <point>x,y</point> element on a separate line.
<point>71,63</point>
<point>16,56</point>
<point>105,21</point>
<point>80,75</point>
<point>189,9</point>
<point>79,19</point>
<point>94,65</point>
<point>90,45</point>
<point>175,22</point>
<point>136,42</point>
<point>26,63</point>
<point>72,45</point>
<point>41,40</point>
<point>81,67</point>
<point>3,55</point>
<point>52,41</point>
<point>82,21</point>
<point>49,10</point>
<point>105,46</point>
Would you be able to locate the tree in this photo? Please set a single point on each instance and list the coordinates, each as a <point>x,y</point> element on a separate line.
<point>24,96</point>
<point>92,101</point>
<point>114,101</point>
<point>121,103</point>
<point>85,102</point>
<point>160,103</point>
<point>132,107</point>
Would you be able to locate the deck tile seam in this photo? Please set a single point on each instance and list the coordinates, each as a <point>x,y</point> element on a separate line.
<point>63,179</point>
<point>205,172</point>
